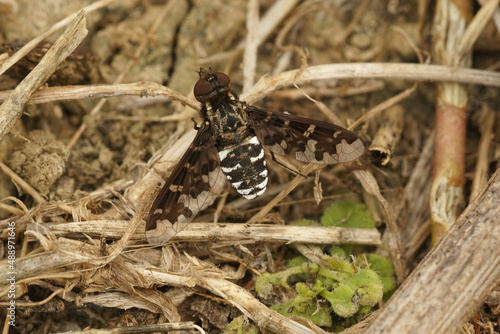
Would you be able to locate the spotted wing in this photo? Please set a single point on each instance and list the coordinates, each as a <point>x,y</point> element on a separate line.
<point>304,139</point>
<point>186,191</point>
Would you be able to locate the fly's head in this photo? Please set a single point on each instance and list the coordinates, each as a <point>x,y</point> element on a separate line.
<point>211,86</point>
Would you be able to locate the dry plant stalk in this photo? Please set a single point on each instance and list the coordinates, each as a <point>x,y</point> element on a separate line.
<point>12,108</point>
<point>251,45</point>
<point>446,196</point>
<point>453,280</point>
<point>220,233</point>
<point>453,40</point>
<point>416,72</point>
<point>388,134</point>
<point>65,93</point>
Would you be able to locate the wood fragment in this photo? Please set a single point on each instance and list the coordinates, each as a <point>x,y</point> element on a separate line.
<point>388,134</point>
<point>454,279</point>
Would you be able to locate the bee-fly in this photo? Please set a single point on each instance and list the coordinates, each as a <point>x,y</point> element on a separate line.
<point>231,142</point>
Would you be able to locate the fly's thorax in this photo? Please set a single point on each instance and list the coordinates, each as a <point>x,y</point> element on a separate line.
<point>228,119</point>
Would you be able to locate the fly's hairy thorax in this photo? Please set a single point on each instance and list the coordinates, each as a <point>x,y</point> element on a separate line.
<point>229,121</point>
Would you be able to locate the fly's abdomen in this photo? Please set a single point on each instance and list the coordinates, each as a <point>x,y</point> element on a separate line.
<point>244,165</point>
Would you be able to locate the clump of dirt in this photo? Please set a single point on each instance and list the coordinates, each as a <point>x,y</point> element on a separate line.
<point>41,160</point>
<point>91,163</point>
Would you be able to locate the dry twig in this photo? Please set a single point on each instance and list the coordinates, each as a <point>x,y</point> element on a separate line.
<point>223,233</point>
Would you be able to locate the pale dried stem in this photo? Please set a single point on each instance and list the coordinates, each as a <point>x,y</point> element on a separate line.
<point>415,72</point>
<point>302,10</point>
<point>174,327</point>
<point>412,45</point>
<point>135,222</point>
<point>251,44</point>
<point>11,209</point>
<point>322,107</point>
<point>394,245</point>
<point>64,93</point>
<point>263,316</point>
<point>320,72</point>
<point>222,233</point>
<point>474,29</point>
<point>366,87</point>
<point>21,183</point>
<point>496,14</point>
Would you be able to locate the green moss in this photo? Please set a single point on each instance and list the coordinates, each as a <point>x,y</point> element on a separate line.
<point>348,214</point>
<point>305,305</point>
<point>385,270</point>
<point>344,285</point>
<point>241,325</point>
<point>339,282</point>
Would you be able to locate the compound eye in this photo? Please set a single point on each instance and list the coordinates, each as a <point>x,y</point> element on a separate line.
<point>202,87</point>
<point>223,79</point>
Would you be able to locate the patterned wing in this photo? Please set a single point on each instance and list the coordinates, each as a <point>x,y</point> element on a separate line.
<point>304,139</point>
<point>186,191</point>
